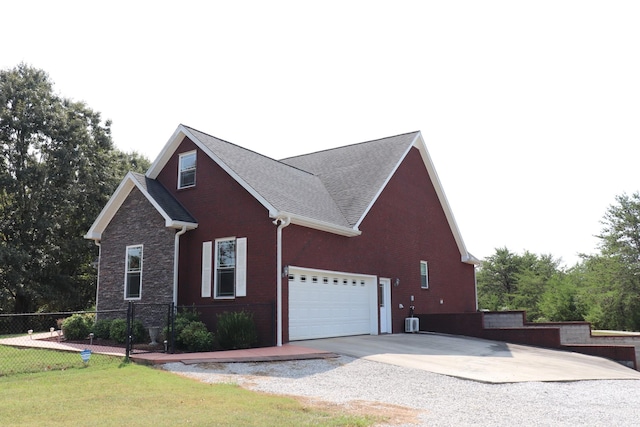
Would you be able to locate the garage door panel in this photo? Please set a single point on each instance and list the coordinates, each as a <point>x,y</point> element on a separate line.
<point>329,304</point>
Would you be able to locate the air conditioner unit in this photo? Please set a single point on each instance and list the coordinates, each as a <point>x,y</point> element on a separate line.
<point>411,324</point>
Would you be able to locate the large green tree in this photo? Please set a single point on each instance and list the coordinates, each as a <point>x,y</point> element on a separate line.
<point>58,167</point>
<point>613,276</point>
<point>509,281</point>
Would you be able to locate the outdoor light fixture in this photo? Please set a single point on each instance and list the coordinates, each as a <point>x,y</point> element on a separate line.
<point>51,331</point>
<point>396,283</point>
<point>30,331</point>
<point>91,338</point>
<point>285,271</point>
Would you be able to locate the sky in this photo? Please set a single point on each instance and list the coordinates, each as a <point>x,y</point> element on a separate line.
<point>529,109</point>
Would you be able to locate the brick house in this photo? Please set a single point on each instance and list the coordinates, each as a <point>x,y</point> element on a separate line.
<point>340,242</point>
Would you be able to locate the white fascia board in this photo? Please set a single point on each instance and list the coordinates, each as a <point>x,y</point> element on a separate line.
<point>116,201</point>
<point>318,225</point>
<point>167,151</point>
<point>170,148</point>
<point>453,225</point>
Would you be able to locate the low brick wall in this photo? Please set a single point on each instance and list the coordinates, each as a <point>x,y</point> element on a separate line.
<point>510,327</point>
<point>507,319</point>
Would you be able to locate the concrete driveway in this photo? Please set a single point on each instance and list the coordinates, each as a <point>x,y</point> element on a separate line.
<point>474,358</point>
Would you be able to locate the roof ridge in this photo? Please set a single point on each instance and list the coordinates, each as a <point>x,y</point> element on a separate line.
<point>349,145</point>
<point>248,149</point>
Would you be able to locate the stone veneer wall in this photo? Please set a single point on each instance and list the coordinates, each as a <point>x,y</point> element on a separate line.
<point>136,222</point>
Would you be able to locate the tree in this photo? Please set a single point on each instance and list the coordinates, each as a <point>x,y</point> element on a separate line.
<point>508,281</point>
<point>58,167</point>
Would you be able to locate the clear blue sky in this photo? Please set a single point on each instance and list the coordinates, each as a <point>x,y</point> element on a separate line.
<point>530,109</point>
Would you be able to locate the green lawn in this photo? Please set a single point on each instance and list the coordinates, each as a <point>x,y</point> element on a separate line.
<point>113,393</point>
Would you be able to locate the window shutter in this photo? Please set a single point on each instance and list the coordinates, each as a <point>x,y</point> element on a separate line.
<point>206,269</point>
<point>241,267</point>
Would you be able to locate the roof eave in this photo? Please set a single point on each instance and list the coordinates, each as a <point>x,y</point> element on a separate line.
<point>115,201</point>
<point>319,225</point>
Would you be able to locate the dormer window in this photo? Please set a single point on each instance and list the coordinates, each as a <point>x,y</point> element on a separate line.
<point>187,170</point>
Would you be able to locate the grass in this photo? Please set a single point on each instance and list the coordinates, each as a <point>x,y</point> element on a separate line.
<point>600,333</point>
<point>18,360</point>
<point>115,393</point>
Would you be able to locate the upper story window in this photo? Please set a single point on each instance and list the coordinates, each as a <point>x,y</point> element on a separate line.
<point>187,170</point>
<point>424,275</point>
<point>133,273</point>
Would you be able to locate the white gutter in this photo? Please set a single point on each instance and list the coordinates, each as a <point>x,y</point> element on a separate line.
<point>176,254</point>
<point>281,222</point>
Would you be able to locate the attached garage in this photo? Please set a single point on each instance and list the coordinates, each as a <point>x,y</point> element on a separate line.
<point>325,304</point>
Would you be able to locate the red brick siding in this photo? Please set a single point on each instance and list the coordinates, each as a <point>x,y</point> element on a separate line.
<point>223,208</point>
<point>406,225</point>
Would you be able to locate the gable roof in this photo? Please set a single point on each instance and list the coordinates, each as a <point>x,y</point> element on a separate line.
<point>331,190</point>
<point>354,175</point>
<point>174,214</point>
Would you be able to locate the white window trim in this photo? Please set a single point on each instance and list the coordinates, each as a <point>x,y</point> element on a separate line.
<point>426,268</point>
<point>180,157</point>
<point>126,271</point>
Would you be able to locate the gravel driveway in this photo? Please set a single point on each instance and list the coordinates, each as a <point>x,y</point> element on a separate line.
<point>412,397</point>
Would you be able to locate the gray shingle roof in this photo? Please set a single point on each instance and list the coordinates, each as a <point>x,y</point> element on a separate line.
<point>286,188</point>
<point>353,175</point>
<point>167,202</point>
<point>335,186</point>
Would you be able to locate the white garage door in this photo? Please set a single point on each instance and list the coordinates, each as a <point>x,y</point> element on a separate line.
<point>326,304</point>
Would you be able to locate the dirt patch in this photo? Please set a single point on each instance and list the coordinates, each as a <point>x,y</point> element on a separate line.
<point>383,413</point>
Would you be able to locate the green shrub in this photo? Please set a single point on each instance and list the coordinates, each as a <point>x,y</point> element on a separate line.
<point>118,331</point>
<point>101,328</point>
<point>139,332</point>
<point>196,337</point>
<point>76,327</point>
<point>236,330</point>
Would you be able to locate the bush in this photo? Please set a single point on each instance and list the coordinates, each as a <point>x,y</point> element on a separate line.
<point>236,330</point>
<point>118,331</point>
<point>76,327</point>
<point>196,337</point>
<point>101,328</point>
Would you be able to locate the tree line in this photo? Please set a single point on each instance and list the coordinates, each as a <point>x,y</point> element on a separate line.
<point>603,288</point>
<point>58,168</point>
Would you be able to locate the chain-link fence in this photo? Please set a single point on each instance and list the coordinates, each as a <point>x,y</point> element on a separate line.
<point>35,342</point>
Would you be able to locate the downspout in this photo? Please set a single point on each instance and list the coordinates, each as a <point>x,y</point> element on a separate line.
<point>98,274</point>
<point>176,254</point>
<point>281,223</point>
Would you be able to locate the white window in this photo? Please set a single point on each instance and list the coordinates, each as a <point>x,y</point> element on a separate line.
<point>187,170</point>
<point>133,272</point>
<point>424,275</point>
<point>229,274</point>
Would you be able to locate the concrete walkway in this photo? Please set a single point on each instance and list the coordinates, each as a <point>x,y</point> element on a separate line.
<point>475,359</point>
